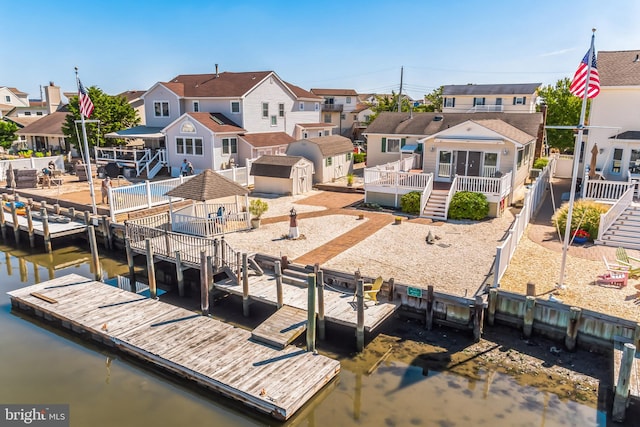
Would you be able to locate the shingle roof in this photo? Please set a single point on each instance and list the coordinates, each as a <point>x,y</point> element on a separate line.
<point>332,145</point>
<point>506,129</point>
<point>334,92</point>
<point>268,139</point>
<point>316,125</point>
<point>619,68</point>
<point>274,166</point>
<point>207,185</point>
<point>216,122</point>
<point>302,93</point>
<point>16,90</point>
<point>493,89</point>
<point>23,121</point>
<point>361,107</point>
<point>423,124</point>
<point>630,134</point>
<point>51,124</point>
<point>132,95</point>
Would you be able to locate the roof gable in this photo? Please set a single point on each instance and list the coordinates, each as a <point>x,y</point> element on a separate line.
<point>619,68</point>
<point>484,130</point>
<point>332,145</point>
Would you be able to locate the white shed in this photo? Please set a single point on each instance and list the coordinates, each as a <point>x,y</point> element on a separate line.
<point>288,175</point>
<point>331,156</point>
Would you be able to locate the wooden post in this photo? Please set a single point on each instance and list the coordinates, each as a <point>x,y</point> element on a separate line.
<point>56,208</point>
<point>36,273</point>
<point>392,289</point>
<point>16,226</point>
<point>72,213</point>
<point>360,315</point>
<point>32,236</point>
<point>151,272</point>
<point>356,277</point>
<point>278,274</point>
<point>95,257</point>
<point>571,337</point>
<point>216,253</point>
<point>430,305</point>
<point>223,252</point>
<point>531,289</point>
<point>245,285</point>
<point>179,274</point>
<point>210,273</point>
<point>239,267</point>
<point>621,396</point>
<point>529,311</point>
<point>636,335</point>
<point>3,225</point>
<point>129,251</point>
<point>204,284</point>
<point>311,312</point>
<point>22,266</point>
<point>321,325</point>
<point>87,218</point>
<point>478,318</point>
<point>45,229</point>
<point>107,225</point>
<point>493,302</point>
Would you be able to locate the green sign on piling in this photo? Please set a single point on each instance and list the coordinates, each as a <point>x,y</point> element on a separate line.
<point>414,292</point>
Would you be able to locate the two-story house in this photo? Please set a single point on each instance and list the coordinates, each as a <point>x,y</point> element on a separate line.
<point>337,109</point>
<point>226,113</point>
<point>614,117</point>
<point>507,98</point>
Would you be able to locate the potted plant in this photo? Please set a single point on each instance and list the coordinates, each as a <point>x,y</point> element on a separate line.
<point>257,207</point>
<point>350,180</point>
<point>581,236</point>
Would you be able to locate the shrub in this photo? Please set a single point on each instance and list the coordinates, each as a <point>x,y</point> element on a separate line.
<point>257,207</point>
<point>541,163</point>
<point>410,202</point>
<point>359,157</point>
<point>468,205</point>
<point>38,154</point>
<point>586,213</point>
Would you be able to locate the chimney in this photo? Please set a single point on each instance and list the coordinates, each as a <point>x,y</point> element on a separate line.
<point>52,97</point>
<point>217,75</point>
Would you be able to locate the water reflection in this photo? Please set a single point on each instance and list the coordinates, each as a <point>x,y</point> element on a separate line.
<point>41,364</point>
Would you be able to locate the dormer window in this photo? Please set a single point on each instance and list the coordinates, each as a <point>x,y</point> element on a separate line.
<point>187,127</point>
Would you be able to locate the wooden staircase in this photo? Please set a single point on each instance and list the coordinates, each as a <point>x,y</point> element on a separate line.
<point>625,231</point>
<point>436,205</point>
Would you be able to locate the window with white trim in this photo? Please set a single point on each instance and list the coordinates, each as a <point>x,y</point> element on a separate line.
<point>478,101</point>
<point>326,133</point>
<point>616,164</point>
<point>27,113</point>
<point>161,108</point>
<point>191,146</point>
<point>347,157</point>
<point>520,157</point>
<point>265,110</point>
<point>393,145</point>
<point>280,110</point>
<point>196,106</point>
<point>7,98</point>
<point>229,145</point>
<point>348,100</point>
<point>235,107</point>
<point>519,100</point>
<point>274,120</point>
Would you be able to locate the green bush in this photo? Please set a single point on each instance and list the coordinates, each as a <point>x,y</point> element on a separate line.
<point>468,205</point>
<point>359,157</point>
<point>541,163</point>
<point>586,213</point>
<point>410,202</point>
<point>38,154</point>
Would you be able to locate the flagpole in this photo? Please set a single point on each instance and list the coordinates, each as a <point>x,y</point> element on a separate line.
<point>576,162</point>
<point>86,152</point>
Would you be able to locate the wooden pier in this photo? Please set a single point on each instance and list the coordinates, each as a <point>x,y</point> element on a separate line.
<point>211,353</point>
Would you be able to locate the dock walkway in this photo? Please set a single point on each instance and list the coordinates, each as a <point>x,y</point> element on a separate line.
<point>209,352</point>
<point>56,229</point>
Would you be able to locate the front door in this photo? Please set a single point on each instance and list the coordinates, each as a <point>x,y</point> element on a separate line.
<point>468,163</point>
<point>461,163</point>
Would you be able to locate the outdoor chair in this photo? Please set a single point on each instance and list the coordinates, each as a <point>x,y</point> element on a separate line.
<point>616,274</point>
<point>624,259</point>
<point>372,291</point>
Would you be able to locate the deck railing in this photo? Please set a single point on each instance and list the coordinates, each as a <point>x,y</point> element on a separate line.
<point>210,226</point>
<point>609,217</point>
<point>488,186</point>
<point>606,190</point>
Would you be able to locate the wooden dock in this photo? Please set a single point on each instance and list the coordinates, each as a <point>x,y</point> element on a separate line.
<point>340,308</point>
<point>282,327</point>
<point>634,380</point>
<point>55,229</point>
<point>211,353</point>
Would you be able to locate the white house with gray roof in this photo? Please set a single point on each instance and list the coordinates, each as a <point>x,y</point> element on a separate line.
<point>331,156</point>
<point>507,98</point>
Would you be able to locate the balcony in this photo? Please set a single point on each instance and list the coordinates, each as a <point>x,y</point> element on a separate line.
<point>487,109</point>
<point>332,107</point>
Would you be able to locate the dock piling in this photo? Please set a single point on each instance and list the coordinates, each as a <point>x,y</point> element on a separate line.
<point>493,302</point>
<point>360,315</point>
<point>129,251</point>
<point>571,337</point>
<point>32,236</point>
<point>278,274</point>
<point>321,322</point>
<point>179,274</point>
<point>311,312</point>
<point>429,311</point>
<point>45,229</point>
<point>3,225</point>
<point>529,311</point>
<point>621,397</point>
<point>95,257</point>
<point>16,226</point>
<point>204,284</point>
<point>245,285</point>
<point>151,272</point>
<point>478,318</point>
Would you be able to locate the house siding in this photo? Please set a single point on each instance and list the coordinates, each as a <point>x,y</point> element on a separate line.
<point>161,93</point>
<point>376,157</point>
<point>464,103</point>
<point>312,153</point>
<point>265,184</point>
<point>205,161</point>
<point>272,92</point>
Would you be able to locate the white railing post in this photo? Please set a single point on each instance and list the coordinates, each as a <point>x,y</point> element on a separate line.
<point>147,185</point>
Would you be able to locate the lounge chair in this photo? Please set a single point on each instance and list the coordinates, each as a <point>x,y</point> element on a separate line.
<point>372,291</point>
<point>616,274</point>
<point>624,259</point>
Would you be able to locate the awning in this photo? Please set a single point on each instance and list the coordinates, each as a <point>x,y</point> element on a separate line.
<point>409,148</point>
<point>137,132</point>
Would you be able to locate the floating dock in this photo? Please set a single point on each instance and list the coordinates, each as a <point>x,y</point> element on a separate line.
<point>209,352</point>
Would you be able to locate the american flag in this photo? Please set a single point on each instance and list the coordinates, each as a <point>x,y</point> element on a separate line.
<point>580,78</point>
<point>84,102</point>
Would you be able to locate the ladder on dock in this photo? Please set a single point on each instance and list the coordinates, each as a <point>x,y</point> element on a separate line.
<point>282,327</point>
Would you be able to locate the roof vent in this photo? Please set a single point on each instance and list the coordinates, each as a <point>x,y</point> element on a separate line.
<point>217,75</point>
<point>637,58</point>
<point>437,118</point>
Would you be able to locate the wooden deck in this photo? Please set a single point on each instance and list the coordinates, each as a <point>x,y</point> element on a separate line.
<point>211,353</point>
<point>634,381</point>
<point>56,229</point>
<point>282,327</point>
<point>339,306</point>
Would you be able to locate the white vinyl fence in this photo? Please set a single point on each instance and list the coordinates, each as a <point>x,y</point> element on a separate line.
<point>30,163</point>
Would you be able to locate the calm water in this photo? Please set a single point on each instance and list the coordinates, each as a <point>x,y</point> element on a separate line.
<point>42,365</point>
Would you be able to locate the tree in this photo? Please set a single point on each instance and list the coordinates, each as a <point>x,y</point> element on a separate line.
<point>7,134</point>
<point>114,113</point>
<point>435,97</point>
<point>563,109</point>
<point>389,103</point>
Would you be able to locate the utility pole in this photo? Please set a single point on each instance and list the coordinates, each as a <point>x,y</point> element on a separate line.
<point>400,93</point>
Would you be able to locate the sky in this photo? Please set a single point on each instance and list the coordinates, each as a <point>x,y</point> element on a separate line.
<point>363,45</point>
